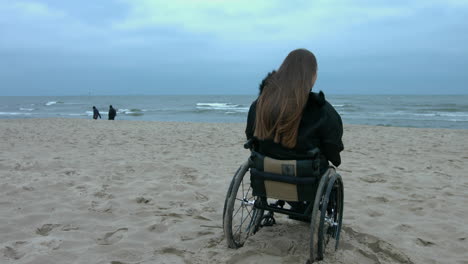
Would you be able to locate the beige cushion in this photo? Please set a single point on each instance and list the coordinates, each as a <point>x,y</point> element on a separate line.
<point>280,190</point>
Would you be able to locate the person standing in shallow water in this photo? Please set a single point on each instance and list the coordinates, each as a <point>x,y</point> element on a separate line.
<point>112,113</point>
<point>96,113</point>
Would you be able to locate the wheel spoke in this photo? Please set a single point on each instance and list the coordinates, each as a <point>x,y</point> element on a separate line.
<point>243,220</point>
<point>237,211</point>
<point>240,225</point>
<point>249,212</point>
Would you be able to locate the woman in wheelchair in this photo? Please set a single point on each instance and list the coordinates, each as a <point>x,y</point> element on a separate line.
<point>293,134</point>
<point>288,120</point>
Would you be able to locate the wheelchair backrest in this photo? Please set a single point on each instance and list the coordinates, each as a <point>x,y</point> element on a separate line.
<point>290,180</point>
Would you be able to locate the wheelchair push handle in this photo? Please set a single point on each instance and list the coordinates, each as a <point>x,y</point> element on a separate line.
<point>313,153</point>
<point>249,143</point>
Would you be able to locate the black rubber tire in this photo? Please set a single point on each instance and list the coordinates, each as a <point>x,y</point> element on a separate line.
<point>333,211</point>
<point>341,209</point>
<point>315,218</point>
<point>229,192</point>
<point>239,204</point>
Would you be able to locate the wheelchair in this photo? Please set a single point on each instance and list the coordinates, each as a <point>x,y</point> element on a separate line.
<point>251,202</point>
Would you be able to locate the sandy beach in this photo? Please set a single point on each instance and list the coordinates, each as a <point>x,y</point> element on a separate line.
<point>127,192</point>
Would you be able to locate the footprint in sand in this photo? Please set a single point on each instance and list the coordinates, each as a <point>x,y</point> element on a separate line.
<point>142,199</point>
<point>373,248</point>
<point>51,244</point>
<point>201,197</point>
<point>69,172</point>
<point>425,243</point>
<point>112,237</point>
<point>189,175</point>
<point>69,228</point>
<point>159,228</point>
<point>379,199</point>
<point>28,188</point>
<point>214,242</point>
<point>12,252</point>
<point>373,178</point>
<point>404,227</point>
<point>103,194</point>
<point>171,255</point>
<point>46,229</point>
<point>374,213</point>
<point>107,207</point>
<point>129,169</point>
<point>125,256</point>
<point>195,235</point>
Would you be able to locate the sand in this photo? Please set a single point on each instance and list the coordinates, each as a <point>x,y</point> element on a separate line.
<point>85,191</point>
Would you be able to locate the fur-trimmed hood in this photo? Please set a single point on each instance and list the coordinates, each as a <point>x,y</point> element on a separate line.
<point>315,98</point>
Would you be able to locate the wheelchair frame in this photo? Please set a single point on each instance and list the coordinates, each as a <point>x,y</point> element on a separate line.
<point>325,213</point>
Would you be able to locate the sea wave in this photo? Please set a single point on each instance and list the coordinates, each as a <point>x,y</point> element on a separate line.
<point>229,107</point>
<point>53,102</point>
<point>411,116</point>
<point>450,114</point>
<point>131,112</point>
<point>14,113</point>
<point>26,109</point>
<point>90,113</point>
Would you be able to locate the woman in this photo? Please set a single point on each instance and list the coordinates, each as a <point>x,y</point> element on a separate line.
<point>287,119</point>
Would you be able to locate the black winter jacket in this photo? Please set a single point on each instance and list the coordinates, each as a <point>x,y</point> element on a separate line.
<point>320,126</point>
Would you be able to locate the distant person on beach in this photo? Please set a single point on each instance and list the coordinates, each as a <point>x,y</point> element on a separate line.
<point>96,113</point>
<point>112,113</point>
<point>288,119</point>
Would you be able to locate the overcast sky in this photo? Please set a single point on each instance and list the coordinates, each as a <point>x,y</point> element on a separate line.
<point>102,47</point>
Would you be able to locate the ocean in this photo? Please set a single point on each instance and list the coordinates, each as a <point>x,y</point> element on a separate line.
<point>435,111</point>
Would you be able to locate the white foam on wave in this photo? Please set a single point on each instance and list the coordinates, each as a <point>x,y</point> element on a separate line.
<point>13,113</point>
<point>53,102</point>
<point>132,111</point>
<point>452,114</point>
<point>90,113</point>
<point>430,116</point>
<point>125,111</point>
<point>217,105</point>
<point>26,109</point>
<point>222,106</point>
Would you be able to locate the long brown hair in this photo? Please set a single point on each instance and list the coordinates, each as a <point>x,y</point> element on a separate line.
<point>283,98</point>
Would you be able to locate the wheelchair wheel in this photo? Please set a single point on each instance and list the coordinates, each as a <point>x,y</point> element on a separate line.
<point>331,216</point>
<point>327,216</point>
<point>315,218</point>
<point>240,217</point>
